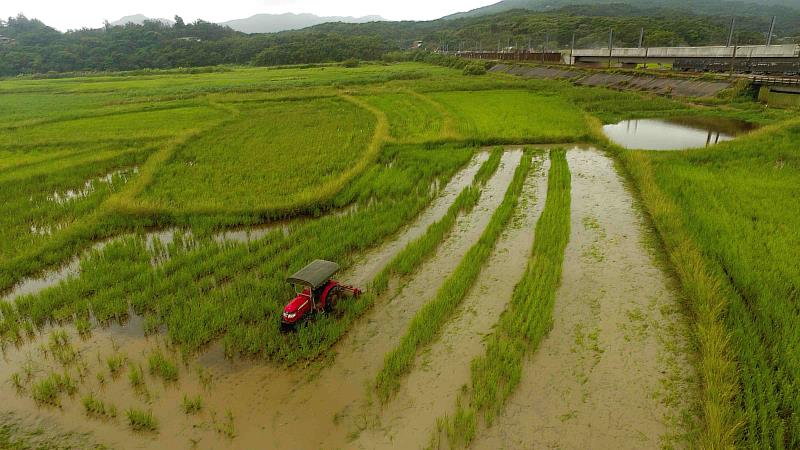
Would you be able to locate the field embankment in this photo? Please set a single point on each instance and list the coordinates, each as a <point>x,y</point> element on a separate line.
<point>680,87</point>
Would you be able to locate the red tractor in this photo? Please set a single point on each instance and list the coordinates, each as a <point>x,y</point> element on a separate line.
<point>315,290</point>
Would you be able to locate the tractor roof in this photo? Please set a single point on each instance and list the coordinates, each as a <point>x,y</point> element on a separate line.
<point>314,274</point>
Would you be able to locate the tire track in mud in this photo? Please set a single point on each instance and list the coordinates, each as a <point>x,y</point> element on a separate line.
<point>430,390</point>
<point>273,407</point>
<point>614,371</point>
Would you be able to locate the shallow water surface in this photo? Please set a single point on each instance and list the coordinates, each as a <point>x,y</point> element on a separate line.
<point>675,133</point>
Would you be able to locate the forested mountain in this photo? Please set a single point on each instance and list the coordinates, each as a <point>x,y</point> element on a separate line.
<point>30,46</point>
<point>713,7</point>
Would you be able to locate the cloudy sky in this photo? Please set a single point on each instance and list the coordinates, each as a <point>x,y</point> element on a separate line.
<point>73,14</point>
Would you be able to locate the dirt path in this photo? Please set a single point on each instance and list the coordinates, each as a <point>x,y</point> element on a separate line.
<point>272,407</point>
<point>613,372</point>
<point>430,390</point>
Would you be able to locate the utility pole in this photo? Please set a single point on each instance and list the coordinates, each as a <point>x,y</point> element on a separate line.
<point>771,29</point>
<point>572,51</point>
<point>543,50</point>
<point>610,46</point>
<point>730,35</point>
<point>641,38</point>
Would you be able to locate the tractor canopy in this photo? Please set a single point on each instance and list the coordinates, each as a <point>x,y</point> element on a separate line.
<point>315,274</point>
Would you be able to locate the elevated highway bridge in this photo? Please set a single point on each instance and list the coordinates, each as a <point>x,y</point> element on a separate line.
<point>755,59</point>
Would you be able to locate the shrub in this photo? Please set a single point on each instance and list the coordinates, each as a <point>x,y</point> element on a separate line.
<point>475,69</point>
<point>350,63</point>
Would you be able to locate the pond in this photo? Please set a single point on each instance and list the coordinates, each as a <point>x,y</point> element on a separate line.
<point>675,133</point>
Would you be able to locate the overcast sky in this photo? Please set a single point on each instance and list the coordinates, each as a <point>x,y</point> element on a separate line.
<point>73,14</point>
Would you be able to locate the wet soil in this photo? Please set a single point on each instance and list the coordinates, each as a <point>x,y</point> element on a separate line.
<point>430,390</point>
<point>614,370</point>
<point>271,407</point>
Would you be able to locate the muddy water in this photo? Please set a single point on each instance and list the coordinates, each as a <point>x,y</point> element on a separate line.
<point>674,133</point>
<point>613,372</point>
<point>271,407</point>
<point>430,390</point>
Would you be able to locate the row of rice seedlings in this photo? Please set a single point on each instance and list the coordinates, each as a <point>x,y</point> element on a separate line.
<point>526,320</point>
<point>423,247</point>
<point>428,321</point>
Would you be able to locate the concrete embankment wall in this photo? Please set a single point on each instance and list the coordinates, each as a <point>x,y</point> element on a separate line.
<point>674,86</point>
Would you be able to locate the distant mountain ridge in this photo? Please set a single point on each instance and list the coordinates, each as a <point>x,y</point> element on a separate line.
<point>138,19</point>
<point>263,23</point>
<point>273,23</point>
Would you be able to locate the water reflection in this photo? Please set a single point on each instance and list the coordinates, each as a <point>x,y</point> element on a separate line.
<point>674,133</point>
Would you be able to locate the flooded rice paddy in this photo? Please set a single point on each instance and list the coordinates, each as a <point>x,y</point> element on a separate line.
<point>677,133</point>
<point>254,401</point>
<point>611,373</point>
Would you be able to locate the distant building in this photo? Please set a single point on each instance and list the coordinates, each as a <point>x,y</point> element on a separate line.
<point>190,39</point>
<point>416,45</point>
<point>5,40</point>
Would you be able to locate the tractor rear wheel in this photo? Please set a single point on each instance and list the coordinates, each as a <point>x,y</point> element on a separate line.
<point>333,298</point>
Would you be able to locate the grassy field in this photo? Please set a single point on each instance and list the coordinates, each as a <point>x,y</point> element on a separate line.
<point>729,217</point>
<point>346,159</point>
<point>293,149</point>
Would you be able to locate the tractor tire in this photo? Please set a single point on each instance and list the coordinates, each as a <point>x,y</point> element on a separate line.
<point>333,298</point>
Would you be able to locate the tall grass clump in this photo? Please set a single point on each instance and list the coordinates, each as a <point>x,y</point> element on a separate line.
<point>427,322</point>
<point>528,317</point>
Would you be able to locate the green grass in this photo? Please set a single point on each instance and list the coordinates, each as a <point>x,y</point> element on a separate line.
<point>526,320</point>
<point>513,116</point>
<point>428,321</point>
<point>272,152</point>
